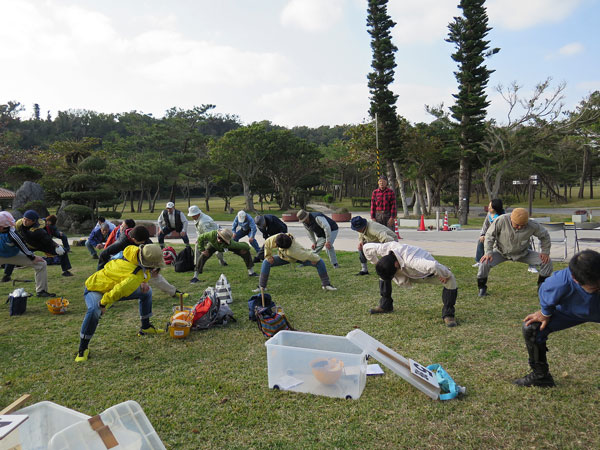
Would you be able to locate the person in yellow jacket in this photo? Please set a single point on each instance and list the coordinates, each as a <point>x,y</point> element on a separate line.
<point>290,251</point>
<point>122,278</point>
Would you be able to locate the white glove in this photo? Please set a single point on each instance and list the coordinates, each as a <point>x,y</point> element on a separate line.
<point>60,251</point>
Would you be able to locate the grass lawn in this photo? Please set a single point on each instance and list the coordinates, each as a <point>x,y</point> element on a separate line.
<point>210,390</point>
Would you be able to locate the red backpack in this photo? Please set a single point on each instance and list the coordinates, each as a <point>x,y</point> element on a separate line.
<point>169,255</point>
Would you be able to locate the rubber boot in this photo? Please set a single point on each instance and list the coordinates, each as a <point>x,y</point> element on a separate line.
<point>449,300</point>
<point>386,303</point>
<point>482,285</point>
<point>540,375</point>
<point>540,280</point>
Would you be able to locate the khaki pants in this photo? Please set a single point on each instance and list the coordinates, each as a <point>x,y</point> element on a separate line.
<point>41,275</point>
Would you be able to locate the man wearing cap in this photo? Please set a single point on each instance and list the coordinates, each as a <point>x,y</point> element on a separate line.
<point>97,238</point>
<point>170,220</point>
<point>383,204</point>
<point>247,228</point>
<point>14,251</point>
<point>322,232</point>
<point>218,241</point>
<point>37,238</point>
<point>204,223</point>
<point>269,225</point>
<point>507,239</point>
<point>407,265</point>
<point>123,278</point>
<point>370,232</point>
<point>289,251</point>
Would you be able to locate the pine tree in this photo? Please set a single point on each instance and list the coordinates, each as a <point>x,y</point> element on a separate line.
<point>383,100</point>
<point>468,34</point>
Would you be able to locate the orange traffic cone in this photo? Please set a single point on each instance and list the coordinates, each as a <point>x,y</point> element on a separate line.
<point>396,228</point>
<point>446,222</point>
<point>422,224</point>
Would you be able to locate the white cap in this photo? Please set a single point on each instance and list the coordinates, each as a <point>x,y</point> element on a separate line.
<point>194,211</point>
<point>241,216</point>
<point>170,205</point>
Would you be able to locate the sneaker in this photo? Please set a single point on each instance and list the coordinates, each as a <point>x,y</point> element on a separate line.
<point>450,321</point>
<point>257,290</point>
<point>84,357</point>
<point>194,280</point>
<point>45,294</point>
<point>336,266</point>
<point>253,274</point>
<point>380,310</point>
<point>362,272</point>
<point>150,330</point>
<point>482,292</point>
<point>94,256</point>
<point>5,279</point>
<point>66,273</point>
<point>329,288</point>
<point>532,269</point>
<point>475,265</point>
<point>534,379</point>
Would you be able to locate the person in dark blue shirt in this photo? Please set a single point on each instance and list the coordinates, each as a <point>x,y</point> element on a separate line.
<point>269,225</point>
<point>568,298</point>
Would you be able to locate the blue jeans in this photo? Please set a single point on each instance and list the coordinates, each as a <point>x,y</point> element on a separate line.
<point>90,247</point>
<point>92,316</point>
<point>265,269</point>
<point>480,251</point>
<point>241,233</point>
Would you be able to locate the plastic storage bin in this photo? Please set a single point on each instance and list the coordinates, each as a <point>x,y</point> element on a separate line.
<point>45,419</point>
<point>293,357</point>
<point>127,423</point>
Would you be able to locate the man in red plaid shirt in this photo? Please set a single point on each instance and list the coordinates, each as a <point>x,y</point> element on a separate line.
<point>383,204</point>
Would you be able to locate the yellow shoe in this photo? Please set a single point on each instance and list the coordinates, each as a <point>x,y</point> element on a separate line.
<point>86,353</point>
<point>150,330</point>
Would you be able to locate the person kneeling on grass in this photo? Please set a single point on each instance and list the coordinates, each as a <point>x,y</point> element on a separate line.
<point>124,278</point>
<point>290,251</point>
<point>406,265</point>
<point>568,298</point>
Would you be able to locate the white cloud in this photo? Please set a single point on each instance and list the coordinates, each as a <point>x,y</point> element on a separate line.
<point>312,15</point>
<point>571,49</point>
<point>520,14</point>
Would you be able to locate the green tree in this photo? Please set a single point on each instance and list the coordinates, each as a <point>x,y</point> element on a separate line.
<point>383,100</point>
<point>468,33</point>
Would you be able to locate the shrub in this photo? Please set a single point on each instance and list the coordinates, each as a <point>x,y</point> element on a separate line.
<point>342,210</point>
<point>37,205</point>
<point>328,198</point>
<point>111,214</point>
<point>79,212</point>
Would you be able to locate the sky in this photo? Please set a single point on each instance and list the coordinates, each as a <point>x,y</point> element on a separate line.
<point>292,62</point>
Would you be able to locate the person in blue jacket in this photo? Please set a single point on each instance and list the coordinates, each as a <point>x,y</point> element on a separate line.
<point>568,298</point>
<point>269,225</point>
<point>97,238</point>
<point>247,228</point>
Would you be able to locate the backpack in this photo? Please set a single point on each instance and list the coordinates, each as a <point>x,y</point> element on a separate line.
<point>223,290</point>
<point>169,255</point>
<point>184,261</point>
<point>256,302</point>
<point>209,312</point>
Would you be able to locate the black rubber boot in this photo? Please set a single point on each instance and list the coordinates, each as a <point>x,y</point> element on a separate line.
<point>540,375</point>
<point>386,303</point>
<point>482,285</point>
<point>449,297</point>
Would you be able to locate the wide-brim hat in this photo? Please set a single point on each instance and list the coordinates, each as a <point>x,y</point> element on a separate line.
<point>358,223</point>
<point>260,221</point>
<point>151,255</point>
<point>302,215</point>
<point>226,234</point>
<point>194,211</point>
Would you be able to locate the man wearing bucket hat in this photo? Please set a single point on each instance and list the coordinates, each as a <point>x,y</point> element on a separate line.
<point>122,278</point>
<point>204,223</point>
<point>218,241</point>
<point>269,225</point>
<point>14,251</point>
<point>247,228</point>
<point>170,220</point>
<point>383,204</point>
<point>370,232</point>
<point>408,265</point>
<point>322,232</point>
<point>507,239</point>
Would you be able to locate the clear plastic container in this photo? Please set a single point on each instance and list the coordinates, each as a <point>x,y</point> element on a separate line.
<point>127,423</point>
<point>292,357</point>
<point>45,420</point>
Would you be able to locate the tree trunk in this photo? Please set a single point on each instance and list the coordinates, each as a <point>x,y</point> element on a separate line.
<point>421,196</point>
<point>154,198</point>
<point>584,170</point>
<point>402,188</point>
<point>206,194</point>
<point>248,195</point>
<point>429,194</point>
<point>124,201</point>
<point>132,209</point>
<point>285,197</point>
<point>464,174</point>
<point>172,195</point>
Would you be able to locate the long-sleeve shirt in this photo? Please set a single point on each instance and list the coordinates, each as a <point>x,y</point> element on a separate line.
<point>415,263</point>
<point>511,243</point>
<point>246,225</point>
<point>561,293</point>
<point>319,221</point>
<point>383,200</point>
<point>162,223</point>
<point>375,232</point>
<point>489,219</point>
<point>272,226</point>
<point>11,244</point>
<point>295,253</point>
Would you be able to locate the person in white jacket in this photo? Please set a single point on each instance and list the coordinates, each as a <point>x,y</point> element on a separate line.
<point>406,265</point>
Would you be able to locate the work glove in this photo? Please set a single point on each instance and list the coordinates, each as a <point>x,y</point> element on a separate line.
<point>60,251</point>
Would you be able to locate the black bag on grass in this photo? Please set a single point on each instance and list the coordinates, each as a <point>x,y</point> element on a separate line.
<point>17,305</point>
<point>184,262</point>
<point>256,302</point>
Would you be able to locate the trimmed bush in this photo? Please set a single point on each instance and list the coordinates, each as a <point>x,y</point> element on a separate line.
<point>79,212</point>
<point>111,214</point>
